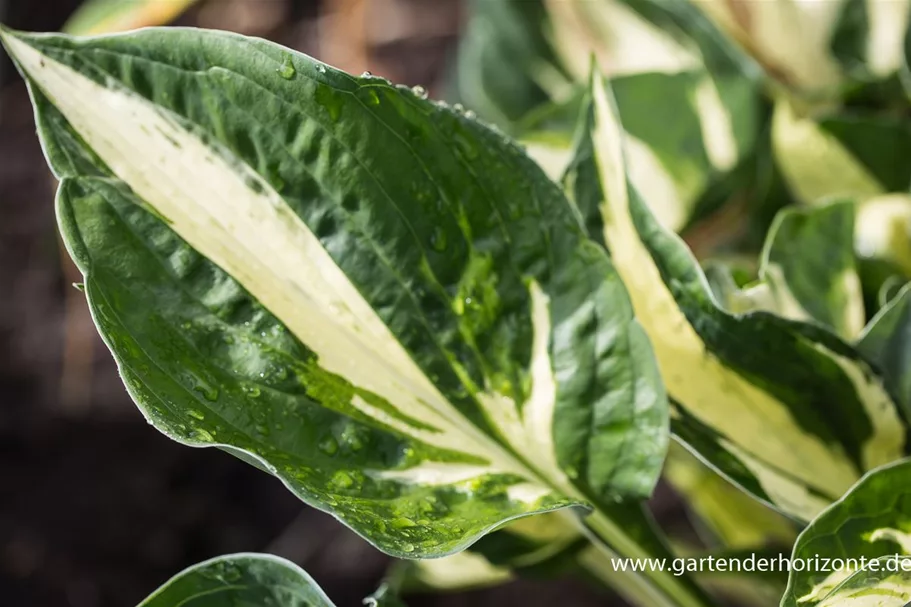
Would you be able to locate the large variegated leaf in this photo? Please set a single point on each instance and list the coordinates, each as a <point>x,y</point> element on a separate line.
<point>871,521</point>
<point>373,297</point>
<point>808,270</point>
<point>786,410</point>
<point>240,579</point>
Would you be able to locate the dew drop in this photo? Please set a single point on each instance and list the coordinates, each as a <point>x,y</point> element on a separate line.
<point>402,522</point>
<point>407,548</point>
<point>203,435</point>
<point>196,414</point>
<point>253,391</point>
<point>419,91</point>
<point>79,286</point>
<point>262,429</point>
<point>342,479</point>
<point>366,74</point>
<point>320,68</point>
<point>286,70</point>
<point>329,446</point>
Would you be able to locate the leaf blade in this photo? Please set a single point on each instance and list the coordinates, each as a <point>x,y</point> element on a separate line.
<point>246,330</point>
<point>674,303</point>
<point>240,578</point>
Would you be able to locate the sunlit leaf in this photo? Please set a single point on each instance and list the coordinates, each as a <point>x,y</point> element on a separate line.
<point>240,579</point>
<point>372,296</point>
<point>871,521</point>
<point>786,410</point>
<point>106,16</point>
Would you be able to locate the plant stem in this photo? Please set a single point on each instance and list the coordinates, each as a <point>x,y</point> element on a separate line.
<point>650,587</point>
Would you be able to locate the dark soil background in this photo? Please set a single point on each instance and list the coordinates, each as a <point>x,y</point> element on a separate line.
<point>96,507</point>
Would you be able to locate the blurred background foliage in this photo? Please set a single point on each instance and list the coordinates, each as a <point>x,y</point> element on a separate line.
<point>735,110</point>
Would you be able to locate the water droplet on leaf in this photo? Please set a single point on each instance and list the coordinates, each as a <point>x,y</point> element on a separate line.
<point>329,446</point>
<point>287,70</point>
<point>202,435</point>
<point>342,479</point>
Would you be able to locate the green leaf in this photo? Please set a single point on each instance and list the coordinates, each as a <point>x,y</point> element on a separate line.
<point>808,268</point>
<point>691,103</point>
<point>871,521</point>
<point>378,299</point>
<point>734,519</point>
<point>886,342</point>
<point>240,579</point>
<point>786,410</point>
<point>886,582</point>
<point>506,65</point>
<point>841,156</point>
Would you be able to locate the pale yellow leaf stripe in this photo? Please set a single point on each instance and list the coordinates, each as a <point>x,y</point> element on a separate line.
<point>815,163</point>
<point>759,425</point>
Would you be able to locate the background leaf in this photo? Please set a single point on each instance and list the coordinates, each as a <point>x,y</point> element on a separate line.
<point>104,16</point>
<point>870,521</point>
<point>240,579</point>
<point>756,413</point>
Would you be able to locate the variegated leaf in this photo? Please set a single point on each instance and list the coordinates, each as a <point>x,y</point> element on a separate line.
<point>870,522</point>
<point>886,342</point>
<point>535,546</point>
<point>812,47</point>
<point>885,582</point>
<point>375,298</point>
<point>835,155</point>
<point>735,521</point>
<point>786,410</point>
<point>240,579</point>
<point>808,270</point>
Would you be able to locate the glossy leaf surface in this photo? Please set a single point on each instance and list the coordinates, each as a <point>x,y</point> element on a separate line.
<point>373,297</point>
<point>786,410</point>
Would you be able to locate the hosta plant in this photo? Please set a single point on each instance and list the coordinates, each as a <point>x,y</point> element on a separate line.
<point>386,304</point>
